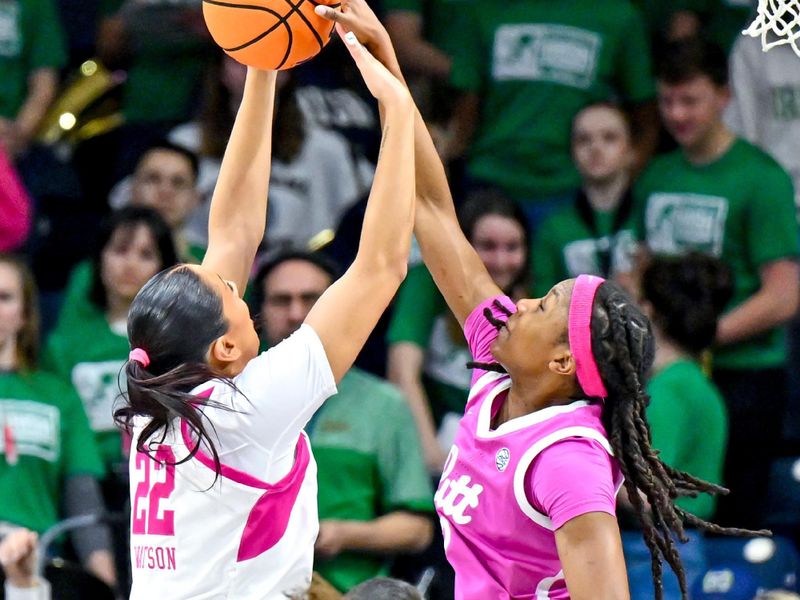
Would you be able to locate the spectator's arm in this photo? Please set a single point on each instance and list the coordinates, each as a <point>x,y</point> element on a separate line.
<point>18,557</point>
<point>404,369</point>
<point>82,496</point>
<point>462,126</point>
<point>773,304</point>
<point>392,533</point>
<point>42,86</point>
<point>415,54</point>
<point>113,41</point>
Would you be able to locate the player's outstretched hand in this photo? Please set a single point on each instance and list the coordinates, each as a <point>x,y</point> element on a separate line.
<point>358,17</point>
<point>381,83</point>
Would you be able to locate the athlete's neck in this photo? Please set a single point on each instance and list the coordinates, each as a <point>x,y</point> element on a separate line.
<point>712,146</point>
<point>604,194</point>
<point>523,401</point>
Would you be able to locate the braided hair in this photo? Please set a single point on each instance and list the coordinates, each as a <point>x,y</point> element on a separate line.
<point>623,347</point>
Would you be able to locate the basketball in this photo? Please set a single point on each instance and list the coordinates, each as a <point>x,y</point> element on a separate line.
<point>268,34</point>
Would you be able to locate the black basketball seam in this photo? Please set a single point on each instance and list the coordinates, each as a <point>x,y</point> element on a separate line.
<point>281,21</point>
<point>295,9</point>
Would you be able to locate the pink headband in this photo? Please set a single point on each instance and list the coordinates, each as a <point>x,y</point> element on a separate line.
<point>140,356</point>
<point>580,335</point>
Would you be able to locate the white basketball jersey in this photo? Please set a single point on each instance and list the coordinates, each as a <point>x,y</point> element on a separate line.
<point>239,536</point>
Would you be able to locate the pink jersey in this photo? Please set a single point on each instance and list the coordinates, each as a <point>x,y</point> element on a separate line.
<point>498,506</point>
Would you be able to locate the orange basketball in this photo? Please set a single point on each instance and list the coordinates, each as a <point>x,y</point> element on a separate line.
<point>268,34</point>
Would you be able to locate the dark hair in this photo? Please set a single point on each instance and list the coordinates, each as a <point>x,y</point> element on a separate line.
<point>609,105</point>
<point>128,219</point>
<point>174,318</point>
<point>322,262</point>
<point>490,201</point>
<point>383,588</point>
<point>166,146</point>
<point>624,348</point>
<point>28,337</point>
<point>217,116</point>
<point>685,59</point>
<point>688,295</point>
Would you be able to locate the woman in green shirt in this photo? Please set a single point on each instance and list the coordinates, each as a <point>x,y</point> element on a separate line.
<point>427,351</point>
<point>48,459</point>
<point>89,346</point>
<point>684,297</point>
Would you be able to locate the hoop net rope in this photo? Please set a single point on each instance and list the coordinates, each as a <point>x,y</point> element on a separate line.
<point>777,23</point>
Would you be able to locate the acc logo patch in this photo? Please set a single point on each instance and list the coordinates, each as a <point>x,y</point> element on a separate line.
<point>501,459</point>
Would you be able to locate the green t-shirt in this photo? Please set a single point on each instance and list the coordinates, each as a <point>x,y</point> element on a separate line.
<point>369,464</point>
<point>30,38</point>
<point>85,351</point>
<point>421,317</point>
<point>168,61</point>
<point>739,208</point>
<point>51,441</point>
<point>441,20</point>
<point>566,246</point>
<point>689,427</point>
<point>534,65</point>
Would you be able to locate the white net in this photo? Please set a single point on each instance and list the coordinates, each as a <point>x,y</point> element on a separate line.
<point>777,23</point>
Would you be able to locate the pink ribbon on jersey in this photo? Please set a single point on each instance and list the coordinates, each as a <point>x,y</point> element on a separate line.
<point>580,335</point>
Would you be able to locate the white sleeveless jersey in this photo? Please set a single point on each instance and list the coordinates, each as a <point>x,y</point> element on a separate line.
<point>250,534</point>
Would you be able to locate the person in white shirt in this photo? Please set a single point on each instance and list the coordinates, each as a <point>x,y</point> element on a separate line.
<point>223,483</point>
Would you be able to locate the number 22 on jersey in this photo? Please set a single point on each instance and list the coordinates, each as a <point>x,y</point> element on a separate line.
<point>156,483</point>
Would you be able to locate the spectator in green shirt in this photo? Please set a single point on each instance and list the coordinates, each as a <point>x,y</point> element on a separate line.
<point>133,244</point>
<point>427,350</point>
<point>528,68</point>
<point>720,195</point>
<point>683,297</point>
<point>31,53</point>
<point>594,233</point>
<point>49,462</point>
<point>375,499</point>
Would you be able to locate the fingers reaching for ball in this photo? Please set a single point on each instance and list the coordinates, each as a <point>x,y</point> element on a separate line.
<point>380,82</point>
<point>358,17</point>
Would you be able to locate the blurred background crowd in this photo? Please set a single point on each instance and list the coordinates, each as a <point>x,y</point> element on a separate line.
<point>642,140</point>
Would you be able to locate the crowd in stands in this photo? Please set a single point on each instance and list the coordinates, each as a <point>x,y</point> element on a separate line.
<point>640,140</point>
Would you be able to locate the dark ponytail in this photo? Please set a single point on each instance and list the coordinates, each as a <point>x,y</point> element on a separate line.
<point>624,348</point>
<point>174,318</point>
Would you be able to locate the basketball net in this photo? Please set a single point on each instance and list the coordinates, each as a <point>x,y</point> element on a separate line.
<point>777,23</point>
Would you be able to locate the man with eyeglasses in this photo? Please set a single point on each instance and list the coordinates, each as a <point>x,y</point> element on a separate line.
<point>375,499</point>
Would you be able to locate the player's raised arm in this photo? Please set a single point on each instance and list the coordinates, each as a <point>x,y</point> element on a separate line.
<point>347,312</point>
<point>237,222</point>
<point>457,269</point>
